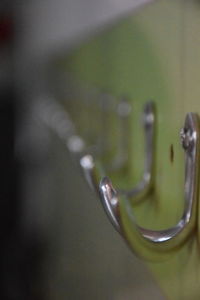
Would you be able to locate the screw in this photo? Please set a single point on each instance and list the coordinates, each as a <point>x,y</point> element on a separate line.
<point>186,138</point>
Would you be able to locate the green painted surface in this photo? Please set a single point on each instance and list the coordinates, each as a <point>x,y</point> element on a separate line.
<point>151,55</point>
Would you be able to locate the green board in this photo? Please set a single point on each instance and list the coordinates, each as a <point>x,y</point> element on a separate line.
<point>153,54</point>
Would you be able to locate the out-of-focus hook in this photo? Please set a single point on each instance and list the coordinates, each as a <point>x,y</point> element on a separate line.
<point>53,115</point>
<point>92,172</point>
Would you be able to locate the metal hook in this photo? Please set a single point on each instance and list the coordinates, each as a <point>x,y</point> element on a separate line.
<point>170,238</point>
<point>92,172</point>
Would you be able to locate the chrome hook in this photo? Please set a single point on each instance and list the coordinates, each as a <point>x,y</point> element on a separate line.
<point>170,238</point>
<point>92,171</point>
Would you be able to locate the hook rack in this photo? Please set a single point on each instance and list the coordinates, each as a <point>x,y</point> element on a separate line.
<point>52,114</point>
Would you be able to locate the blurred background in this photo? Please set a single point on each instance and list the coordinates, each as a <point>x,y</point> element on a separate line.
<point>56,242</point>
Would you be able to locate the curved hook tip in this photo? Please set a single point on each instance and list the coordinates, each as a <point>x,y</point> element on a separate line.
<point>110,202</point>
<point>107,190</point>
